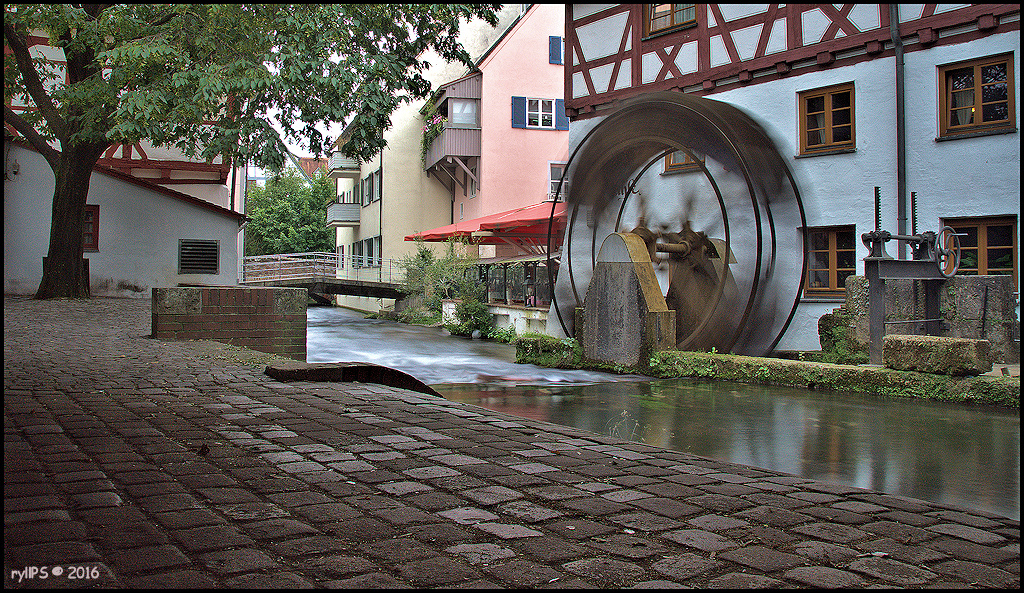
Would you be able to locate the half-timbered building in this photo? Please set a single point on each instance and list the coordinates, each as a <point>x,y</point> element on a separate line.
<point>916,102</point>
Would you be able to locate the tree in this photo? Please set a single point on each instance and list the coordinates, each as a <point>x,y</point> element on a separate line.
<point>205,79</point>
<point>287,215</point>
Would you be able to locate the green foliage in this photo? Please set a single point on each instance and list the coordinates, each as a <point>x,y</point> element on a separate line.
<point>431,129</point>
<point>437,278</point>
<point>161,72</point>
<point>506,334</point>
<point>287,215</point>
<point>473,316</point>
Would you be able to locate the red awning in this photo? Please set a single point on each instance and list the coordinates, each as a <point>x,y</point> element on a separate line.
<point>522,226</point>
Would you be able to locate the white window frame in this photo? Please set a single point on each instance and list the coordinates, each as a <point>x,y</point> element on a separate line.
<point>553,179</point>
<point>535,110</point>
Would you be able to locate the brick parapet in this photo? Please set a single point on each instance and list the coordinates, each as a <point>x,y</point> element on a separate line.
<point>266,319</point>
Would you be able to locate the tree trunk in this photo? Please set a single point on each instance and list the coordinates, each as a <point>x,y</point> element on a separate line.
<point>64,275</point>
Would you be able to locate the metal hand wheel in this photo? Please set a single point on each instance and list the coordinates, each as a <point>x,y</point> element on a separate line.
<point>947,252</point>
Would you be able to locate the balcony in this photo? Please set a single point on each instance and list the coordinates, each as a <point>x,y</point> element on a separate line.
<point>453,142</point>
<point>342,215</point>
<point>342,167</point>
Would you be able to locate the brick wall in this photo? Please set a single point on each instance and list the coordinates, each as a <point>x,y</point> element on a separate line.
<point>271,320</point>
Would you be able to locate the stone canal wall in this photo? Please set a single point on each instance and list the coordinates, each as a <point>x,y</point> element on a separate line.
<point>271,320</point>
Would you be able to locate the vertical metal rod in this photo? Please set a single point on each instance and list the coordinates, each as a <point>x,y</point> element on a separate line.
<point>878,208</point>
<point>913,213</point>
<point>901,132</point>
<point>876,310</point>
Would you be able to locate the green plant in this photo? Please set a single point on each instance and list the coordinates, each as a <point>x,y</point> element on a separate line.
<point>505,334</point>
<point>435,124</point>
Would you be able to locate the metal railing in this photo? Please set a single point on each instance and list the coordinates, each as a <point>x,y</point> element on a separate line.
<point>320,266</point>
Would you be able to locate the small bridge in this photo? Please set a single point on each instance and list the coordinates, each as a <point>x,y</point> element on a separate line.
<point>326,273</point>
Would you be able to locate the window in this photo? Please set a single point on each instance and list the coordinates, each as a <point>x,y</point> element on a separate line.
<point>341,256</point>
<point>967,87</point>
<point>464,114</point>
<point>91,228</point>
<point>826,119</point>
<point>659,18</point>
<point>555,45</point>
<point>539,113</point>
<point>679,162</point>
<point>198,256</point>
<point>831,257</point>
<point>473,178</point>
<point>378,184</point>
<point>988,246</point>
<point>554,177</point>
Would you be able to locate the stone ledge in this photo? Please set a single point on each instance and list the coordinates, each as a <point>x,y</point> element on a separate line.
<point>937,355</point>
<point>346,372</point>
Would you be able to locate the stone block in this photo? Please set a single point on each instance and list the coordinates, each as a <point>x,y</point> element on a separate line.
<point>624,316</point>
<point>938,355</point>
<point>177,301</point>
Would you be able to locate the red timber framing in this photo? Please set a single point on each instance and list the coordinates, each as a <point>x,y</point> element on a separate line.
<point>608,58</point>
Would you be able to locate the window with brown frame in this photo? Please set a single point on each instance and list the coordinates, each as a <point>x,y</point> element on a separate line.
<point>977,96</point>
<point>680,162</point>
<point>988,245</point>
<point>659,18</point>
<point>91,228</point>
<point>831,257</point>
<point>827,120</point>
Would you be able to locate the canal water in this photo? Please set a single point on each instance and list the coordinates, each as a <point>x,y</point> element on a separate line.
<point>946,453</point>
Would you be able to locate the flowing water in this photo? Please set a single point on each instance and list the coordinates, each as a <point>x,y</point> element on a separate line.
<point>947,453</point>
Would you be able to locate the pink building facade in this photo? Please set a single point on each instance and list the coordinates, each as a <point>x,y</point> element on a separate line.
<point>506,135</point>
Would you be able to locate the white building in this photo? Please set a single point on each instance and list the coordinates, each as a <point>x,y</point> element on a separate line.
<point>822,81</point>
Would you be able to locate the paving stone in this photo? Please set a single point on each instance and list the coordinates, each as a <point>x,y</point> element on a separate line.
<point>277,580</point>
<point>227,562</point>
<point>700,539</point>
<point>373,580</point>
<point>825,552</point>
<point>901,533</point>
<point>148,559</point>
<point>824,577</point>
<point>550,549</point>
<point>396,551</point>
<point>968,533</point>
<point>831,532</point>
<point>593,506</point>
<point>359,529</point>
<point>403,488</point>
<point>739,580</point>
<point>440,534</point>
<point>528,511</point>
<point>436,572</point>
<point>278,528</point>
<point>578,528</point>
<point>981,574</point>
<point>628,546</point>
<point>763,558</point>
<point>484,553</point>
<point>836,515</point>
<point>605,572</point>
<point>716,522</point>
<point>314,544</point>
<point>898,573</point>
<point>176,579</point>
<point>684,566</point>
<point>430,472</point>
<point>215,537</point>
<point>522,573</point>
<point>965,550</point>
<point>490,495</point>
<point>643,521</point>
<point>507,531</point>
<point>467,515</point>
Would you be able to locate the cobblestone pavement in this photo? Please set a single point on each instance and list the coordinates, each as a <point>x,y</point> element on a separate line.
<point>134,462</point>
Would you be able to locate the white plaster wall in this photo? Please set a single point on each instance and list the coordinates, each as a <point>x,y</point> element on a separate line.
<point>139,231</point>
<point>968,177</point>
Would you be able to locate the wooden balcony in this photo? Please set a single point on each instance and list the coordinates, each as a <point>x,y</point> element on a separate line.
<point>453,142</point>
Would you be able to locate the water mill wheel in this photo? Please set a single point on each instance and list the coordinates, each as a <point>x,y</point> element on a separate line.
<point>725,235</point>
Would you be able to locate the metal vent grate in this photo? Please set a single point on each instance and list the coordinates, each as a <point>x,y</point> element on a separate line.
<point>198,256</point>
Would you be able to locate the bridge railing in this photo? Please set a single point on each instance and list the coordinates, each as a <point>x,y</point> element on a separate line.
<point>320,266</point>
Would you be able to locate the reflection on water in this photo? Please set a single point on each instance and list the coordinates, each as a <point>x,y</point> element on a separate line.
<point>954,454</point>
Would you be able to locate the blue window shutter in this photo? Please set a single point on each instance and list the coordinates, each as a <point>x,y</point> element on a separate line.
<point>554,49</point>
<point>518,112</point>
<point>561,121</point>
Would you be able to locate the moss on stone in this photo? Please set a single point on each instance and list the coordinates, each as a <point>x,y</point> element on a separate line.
<point>1002,391</point>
